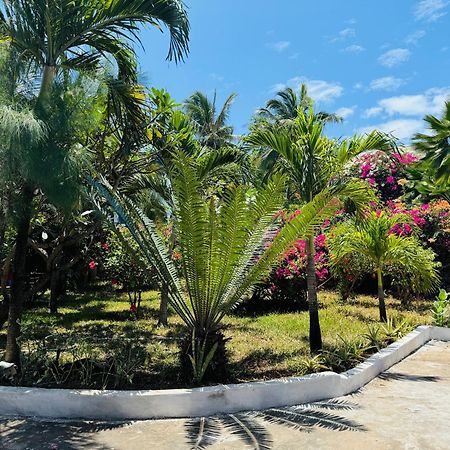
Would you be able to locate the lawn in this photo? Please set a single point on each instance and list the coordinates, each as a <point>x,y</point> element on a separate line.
<point>260,346</point>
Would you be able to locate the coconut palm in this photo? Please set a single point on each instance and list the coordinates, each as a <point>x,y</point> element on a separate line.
<point>374,239</point>
<point>227,244</point>
<point>432,173</point>
<point>436,146</point>
<point>211,125</point>
<point>313,163</point>
<point>287,103</point>
<point>52,36</point>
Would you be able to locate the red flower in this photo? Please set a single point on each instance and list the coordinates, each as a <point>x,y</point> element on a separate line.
<point>92,264</point>
<point>105,246</point>
<point>114,282</point>
<point>133,308</point>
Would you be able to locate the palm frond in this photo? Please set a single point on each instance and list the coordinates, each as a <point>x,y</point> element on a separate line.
<point>301,418</point>
<point>202,432</point>
<point>247,428</point>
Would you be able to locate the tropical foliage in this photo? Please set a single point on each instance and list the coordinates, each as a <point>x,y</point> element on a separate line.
<point>384,244</point>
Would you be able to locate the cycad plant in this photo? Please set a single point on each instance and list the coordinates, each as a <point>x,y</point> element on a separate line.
<point>228,245</point>
<point>375,239</point>
<point>314,163</point>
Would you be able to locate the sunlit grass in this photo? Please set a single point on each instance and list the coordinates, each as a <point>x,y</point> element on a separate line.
<point>261,346</point>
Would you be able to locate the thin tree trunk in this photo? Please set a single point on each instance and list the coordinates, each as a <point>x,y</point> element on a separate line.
<point>163,305</point>
<point>18,288</point>
<point>55,290</point>
<point>2,220</point>
<point>381,303</point>
<point>4,311</point>
<point>315,335</point>
<point>4,305</point>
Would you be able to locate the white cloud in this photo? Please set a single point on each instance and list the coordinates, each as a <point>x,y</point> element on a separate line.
<point>414,38</point>
<point>347,32</point>
<point>353,49</point>
<point>358,85</point>
<point>401,128</point>
<point>430,102</point>
<point>279,46</point>
<point>394,57</point>
<point>372,112</point>
<point>386,84</point>
<point>344,34</point>
<point>430,10</point>
<point>346,112</point>
<point>319,90</point>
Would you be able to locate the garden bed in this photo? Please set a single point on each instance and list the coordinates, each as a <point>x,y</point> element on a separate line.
<point>103,347</point>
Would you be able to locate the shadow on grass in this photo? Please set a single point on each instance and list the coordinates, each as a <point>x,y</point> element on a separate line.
<point>32,434</point>
<point>261,363</point>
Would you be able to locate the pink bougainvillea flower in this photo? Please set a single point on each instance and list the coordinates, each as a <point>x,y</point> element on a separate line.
<point>390,179</point>
<point>105,246</point>
<point>365,169</point>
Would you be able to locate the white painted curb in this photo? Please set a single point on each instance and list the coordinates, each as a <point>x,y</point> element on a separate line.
<point>121,405</point>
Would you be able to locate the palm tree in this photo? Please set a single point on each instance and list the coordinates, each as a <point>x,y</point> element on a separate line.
<point>224,243</point>
<point>436,146</point>
<point>314,163</point>
<point>211,125</point>
<point>373,238</point>
<point>287,103</point>
<point>56,35</point>
<point>432,173</point>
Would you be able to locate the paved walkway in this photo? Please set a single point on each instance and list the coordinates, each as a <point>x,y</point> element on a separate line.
<point>407,407</point>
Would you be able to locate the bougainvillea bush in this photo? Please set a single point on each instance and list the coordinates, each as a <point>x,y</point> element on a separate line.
<point>287,283</point>
<point>385,173</point>
<point>432,226</point>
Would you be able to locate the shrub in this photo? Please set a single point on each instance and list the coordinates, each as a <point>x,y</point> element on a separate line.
<point>287,282</point>
<point>385,173</point>
<point>122,267</point>
<point>441,309</point>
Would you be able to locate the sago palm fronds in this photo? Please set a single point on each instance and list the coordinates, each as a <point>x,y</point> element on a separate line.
<point>227,245</point>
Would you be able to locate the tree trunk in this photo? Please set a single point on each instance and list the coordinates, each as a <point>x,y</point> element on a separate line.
<point>381,303</point>
<point>315,335</point>
<point>163,305</point>
<point>18,288</point>
<point>4,310</point>
<point>55,290</point>
<point>4,304</point>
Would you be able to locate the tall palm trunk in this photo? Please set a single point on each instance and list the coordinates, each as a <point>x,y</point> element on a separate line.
<point>18,288</point>
<point>315,335</point>
<point>3,302</point>
<point>381,302</point>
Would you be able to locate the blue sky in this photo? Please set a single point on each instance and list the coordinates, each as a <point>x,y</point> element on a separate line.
<point>380,64</point>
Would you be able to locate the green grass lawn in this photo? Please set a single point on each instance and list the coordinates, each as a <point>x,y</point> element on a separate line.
<point>261,347</point>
